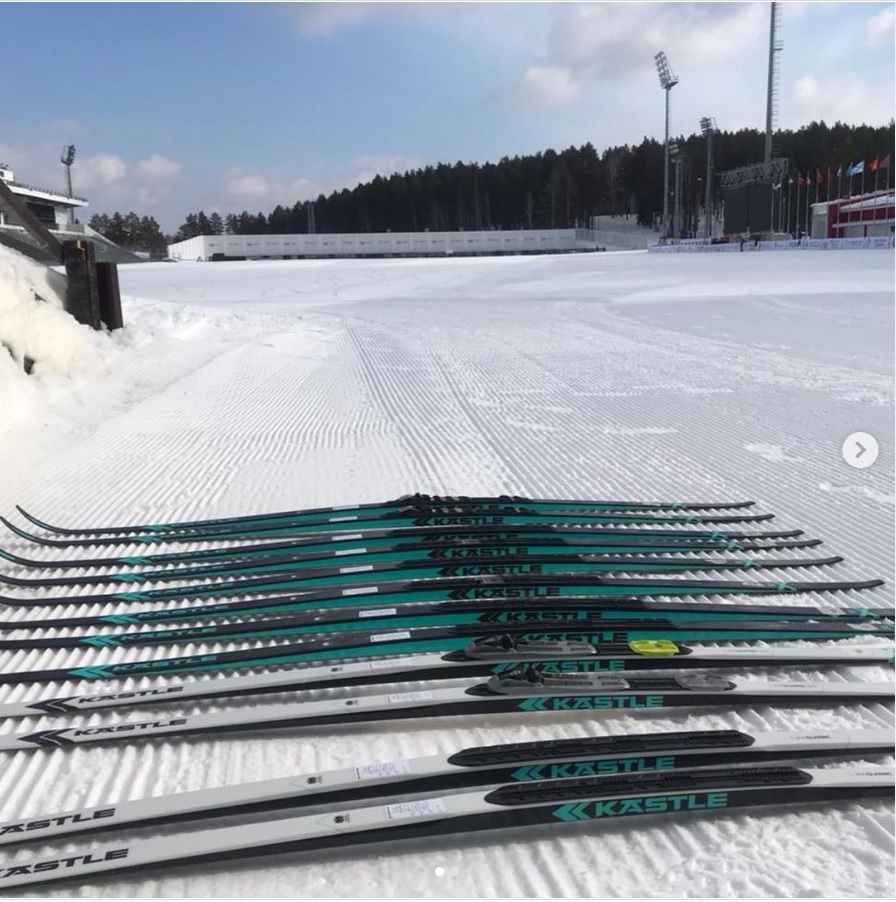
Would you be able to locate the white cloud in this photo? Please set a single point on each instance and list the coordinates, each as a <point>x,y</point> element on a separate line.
<point>541,87</point>
<point>270,190</point>
<point>612,39</point>
<point>100,170</point>
<point>880,27</point>
<point>324,19</point>
<point>244,186</point>
<point>805,88</point>
<point>843,96</point>
<point>302,189</point>
<point>157,168</point>
<point>591,44</point>
<point>368,166</point>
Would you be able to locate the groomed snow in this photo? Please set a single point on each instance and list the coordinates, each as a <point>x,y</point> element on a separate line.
<point>247,387</point>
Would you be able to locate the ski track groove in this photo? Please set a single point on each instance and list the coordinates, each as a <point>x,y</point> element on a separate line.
<point>608,385</point>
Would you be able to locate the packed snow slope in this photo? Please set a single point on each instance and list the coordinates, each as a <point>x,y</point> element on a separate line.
<point>258,386</point>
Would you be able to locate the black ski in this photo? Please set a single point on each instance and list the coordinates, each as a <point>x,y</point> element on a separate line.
<point>480,577</point>
<point>451,613</point>
<point>495,599</point>
<point>378,644</point>
<point>418,501</point>
<point>433,532</point>
<point>367,568</point>
<point>436,517</point>
<point>444,547</point>
<point>512,807</point>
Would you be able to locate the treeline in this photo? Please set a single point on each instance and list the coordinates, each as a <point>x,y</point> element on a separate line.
<point>136,233</point>
<point>550,189</point>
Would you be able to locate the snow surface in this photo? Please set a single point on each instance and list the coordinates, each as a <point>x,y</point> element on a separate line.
<point>247,387</point>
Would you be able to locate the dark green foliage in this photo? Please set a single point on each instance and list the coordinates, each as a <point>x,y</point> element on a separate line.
<point>132,232</point>
<point>550,189</point>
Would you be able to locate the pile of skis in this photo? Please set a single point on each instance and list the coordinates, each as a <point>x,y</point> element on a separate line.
<point>552,603</point>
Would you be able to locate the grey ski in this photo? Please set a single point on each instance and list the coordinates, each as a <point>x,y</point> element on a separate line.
<point>527,689</point>
<point>480,658</point>
<point>522,762</point>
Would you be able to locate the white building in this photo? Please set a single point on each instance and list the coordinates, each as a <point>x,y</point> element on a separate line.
<point>52,208</point>
<point>384,244</point>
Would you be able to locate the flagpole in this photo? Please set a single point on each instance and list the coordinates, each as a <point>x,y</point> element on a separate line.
<point>806,229</point>
<point>789,183</point>
<point>862,201</point>
<point>796,212</point>
<point>874,211</point>
<point>771,212</point>
<point>781,205</point>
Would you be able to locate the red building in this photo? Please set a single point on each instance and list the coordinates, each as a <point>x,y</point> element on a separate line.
<point>864,216</point>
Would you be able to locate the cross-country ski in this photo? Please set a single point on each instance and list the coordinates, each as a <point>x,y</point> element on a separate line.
<point>482,657</point>
<point>458,614</point>
<point>527,690</point>
<point>524,762</point>
<point>495,599</point>
<point>408,502</point>
<point>364,642</point>
<point>460,584</point>
<point>367,568</point>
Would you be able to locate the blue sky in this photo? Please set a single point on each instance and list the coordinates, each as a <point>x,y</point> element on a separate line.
<point>176,107</point>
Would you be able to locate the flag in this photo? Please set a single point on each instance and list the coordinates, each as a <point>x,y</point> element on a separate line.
<point>805,182</point>
<point>776,187</point>
<point>830,176</point>
<point>872,166</point>
<point>818,178</point>
<point>858,169</point>
<point>884,163</point>
<point>840,171</point>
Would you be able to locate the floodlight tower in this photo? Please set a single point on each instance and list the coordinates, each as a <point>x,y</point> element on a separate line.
<point>676,158</point>
<point>67,158</point>
<point>668,80</point>
<point>775,46</point>
<point>708,127</point>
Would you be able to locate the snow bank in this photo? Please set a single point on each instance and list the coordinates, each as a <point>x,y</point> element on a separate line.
<point>35,327</point>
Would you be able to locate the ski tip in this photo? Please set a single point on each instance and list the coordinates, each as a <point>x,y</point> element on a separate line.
<point>31,518</point>
<point>14,558</point>
<point>16,530</point>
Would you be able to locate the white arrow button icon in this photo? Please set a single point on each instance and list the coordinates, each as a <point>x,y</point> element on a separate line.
<point>860,450</point>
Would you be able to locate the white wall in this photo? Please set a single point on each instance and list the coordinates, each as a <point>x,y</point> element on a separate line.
<point>385,243</point>
<point>807,244</point>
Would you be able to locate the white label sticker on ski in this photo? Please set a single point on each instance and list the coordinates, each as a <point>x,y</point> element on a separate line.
<point>378,612</point>
<point>361,568</point>
<point>383,664</point>
<point>353,537</point>
<point>344,551</point>
<point>397,698</point>
<point>341,519</point>
<point>361,590</point>
<point>387,637</point>
<point>420,808</point>
<point>382,769</point>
